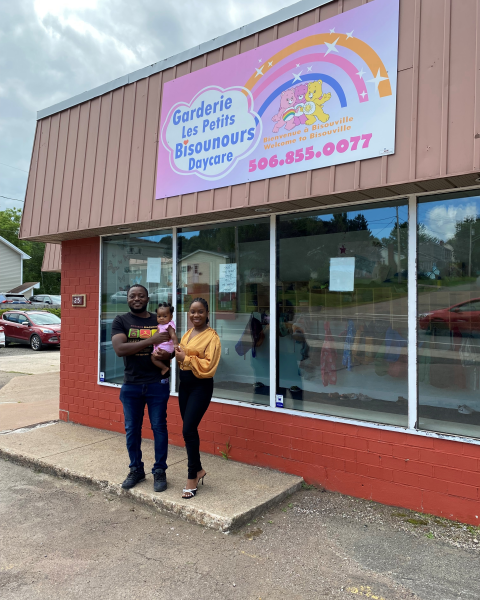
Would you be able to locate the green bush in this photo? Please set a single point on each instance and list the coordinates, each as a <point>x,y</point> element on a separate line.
<point>55,311</point>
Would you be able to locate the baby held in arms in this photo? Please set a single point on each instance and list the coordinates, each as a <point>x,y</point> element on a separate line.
<point>165,325</point>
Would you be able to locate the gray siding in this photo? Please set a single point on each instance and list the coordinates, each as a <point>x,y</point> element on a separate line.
<point>10,268</point>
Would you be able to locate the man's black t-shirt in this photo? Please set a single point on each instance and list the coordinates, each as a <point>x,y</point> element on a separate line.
<point>139,367</point>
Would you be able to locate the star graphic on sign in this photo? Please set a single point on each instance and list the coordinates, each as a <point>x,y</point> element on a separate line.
<point>377,80</point>
<point>259,71</point>
<point>259,60</point>
<point>349,35</point>
<point>270,64</point>
<point>343,250</point>
<point>309,68</point>
<point>297,76</point>
<point>332,30</point>
<point>361,73</point>
<point>331,47</point>
<point>363,94</point>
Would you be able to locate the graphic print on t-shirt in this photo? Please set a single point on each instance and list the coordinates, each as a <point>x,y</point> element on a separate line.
<point>135,334</point>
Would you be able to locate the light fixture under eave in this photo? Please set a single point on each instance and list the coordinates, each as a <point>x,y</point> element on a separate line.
<point>478,179</point>
<point>263,210</point>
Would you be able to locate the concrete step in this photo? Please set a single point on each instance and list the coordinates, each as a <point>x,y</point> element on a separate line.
<point>233,494</point>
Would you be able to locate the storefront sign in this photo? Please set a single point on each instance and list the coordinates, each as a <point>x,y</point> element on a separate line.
<point>322,96</point>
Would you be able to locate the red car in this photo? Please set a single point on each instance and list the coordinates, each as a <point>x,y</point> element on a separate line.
<point>35,328</point>
<point>459,318</point>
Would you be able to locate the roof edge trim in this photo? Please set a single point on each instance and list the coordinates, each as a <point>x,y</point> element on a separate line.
<point>13,247</point>
<point>284,14</point>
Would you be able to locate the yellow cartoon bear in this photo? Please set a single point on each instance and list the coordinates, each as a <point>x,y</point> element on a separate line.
<point>316,95</point>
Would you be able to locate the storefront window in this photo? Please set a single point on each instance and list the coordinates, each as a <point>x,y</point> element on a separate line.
<point>228,265</point>
<point>144,258</point>
<point>342,312</point>
<point>449,314</point>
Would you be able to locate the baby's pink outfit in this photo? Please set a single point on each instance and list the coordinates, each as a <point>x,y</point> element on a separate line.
<point>168,346</point>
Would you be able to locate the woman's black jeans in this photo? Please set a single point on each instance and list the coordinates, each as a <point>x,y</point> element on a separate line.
<point>194,396</point>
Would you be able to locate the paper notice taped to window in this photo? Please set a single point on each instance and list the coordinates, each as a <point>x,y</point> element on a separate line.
<point>154,269</point>
<point>228,278</point>
<point>342,274</point>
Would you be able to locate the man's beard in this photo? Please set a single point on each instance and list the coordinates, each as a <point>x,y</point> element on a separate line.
<point>138,310</point>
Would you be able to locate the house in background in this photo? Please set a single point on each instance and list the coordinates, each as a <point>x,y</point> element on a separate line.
<point>11,269</point>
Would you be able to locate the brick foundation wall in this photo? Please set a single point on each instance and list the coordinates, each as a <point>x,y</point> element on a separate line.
<point>430,475</point>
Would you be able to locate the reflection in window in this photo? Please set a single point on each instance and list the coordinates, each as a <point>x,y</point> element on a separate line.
<point>144,258</point>
<point>228,265</point>
<point>449,314</point>
<point>342,312</point>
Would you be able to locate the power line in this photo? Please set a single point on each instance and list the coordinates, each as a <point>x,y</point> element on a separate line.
<point>5,165</point>
<point>8,198</point>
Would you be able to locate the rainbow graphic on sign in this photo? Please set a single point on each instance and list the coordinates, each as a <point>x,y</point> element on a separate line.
<point>288,114</point>
<point>318,97</point>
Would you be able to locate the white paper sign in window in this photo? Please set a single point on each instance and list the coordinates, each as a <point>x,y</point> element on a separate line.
<point>154,267</point>
<point>342,274</point>
<point>228,278</point>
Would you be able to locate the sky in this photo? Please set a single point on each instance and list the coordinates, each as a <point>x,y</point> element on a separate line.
<point>51,50</point>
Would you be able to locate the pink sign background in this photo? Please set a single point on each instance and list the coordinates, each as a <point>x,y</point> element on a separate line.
<point>322,96</point>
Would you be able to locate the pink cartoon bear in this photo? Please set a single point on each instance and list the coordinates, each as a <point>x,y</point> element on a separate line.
<point>286,113</point>
<point>300,92</point>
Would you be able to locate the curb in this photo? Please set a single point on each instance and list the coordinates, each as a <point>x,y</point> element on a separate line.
<point>188,513</point>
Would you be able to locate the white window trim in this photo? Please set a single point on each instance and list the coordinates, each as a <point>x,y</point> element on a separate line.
<point>412,315</point>
<point>411,428</point>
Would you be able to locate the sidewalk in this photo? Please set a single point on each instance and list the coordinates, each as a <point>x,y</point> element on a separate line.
<point>29,399</point>
<point>232,495</point>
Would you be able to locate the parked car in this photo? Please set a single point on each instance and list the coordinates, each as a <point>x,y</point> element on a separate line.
<point>2,337</point>
<point>13,299</point>
<point>45,299</point>
<point>461,318</point>
<point>119,297</point>
<point>35,328</point>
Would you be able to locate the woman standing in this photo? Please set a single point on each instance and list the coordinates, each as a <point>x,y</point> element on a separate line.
<point>198,356</point>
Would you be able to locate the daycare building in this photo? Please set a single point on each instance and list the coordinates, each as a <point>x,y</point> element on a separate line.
<point>315,176</point>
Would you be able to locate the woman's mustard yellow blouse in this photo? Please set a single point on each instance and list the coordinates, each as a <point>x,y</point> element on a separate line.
<point>202,353</point>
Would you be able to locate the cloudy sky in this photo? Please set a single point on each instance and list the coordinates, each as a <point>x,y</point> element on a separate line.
<point>51,50</point>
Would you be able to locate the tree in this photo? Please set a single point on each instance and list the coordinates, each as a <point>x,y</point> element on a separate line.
<point>32,268</point>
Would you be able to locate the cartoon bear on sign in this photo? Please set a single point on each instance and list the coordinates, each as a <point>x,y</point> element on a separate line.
<point>286,113</point>
<point>300,92</point>
<point>315,94</point>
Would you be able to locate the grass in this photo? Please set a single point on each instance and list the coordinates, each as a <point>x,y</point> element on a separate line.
<point>417,522</point>
<point>226,453</point>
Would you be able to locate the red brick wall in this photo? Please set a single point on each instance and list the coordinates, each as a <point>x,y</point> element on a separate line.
<point>435,476</point>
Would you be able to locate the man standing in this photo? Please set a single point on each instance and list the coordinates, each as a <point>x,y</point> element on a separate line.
<point>133,335</point>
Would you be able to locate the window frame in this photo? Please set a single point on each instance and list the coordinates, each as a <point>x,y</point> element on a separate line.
<point>412,378</point>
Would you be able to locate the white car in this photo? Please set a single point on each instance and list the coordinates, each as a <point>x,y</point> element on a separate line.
<point>2,337</point>
<point>119,298</point>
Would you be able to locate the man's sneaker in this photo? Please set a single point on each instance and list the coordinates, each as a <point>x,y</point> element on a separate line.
<point>159,480</point>
<point>134,477</point>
